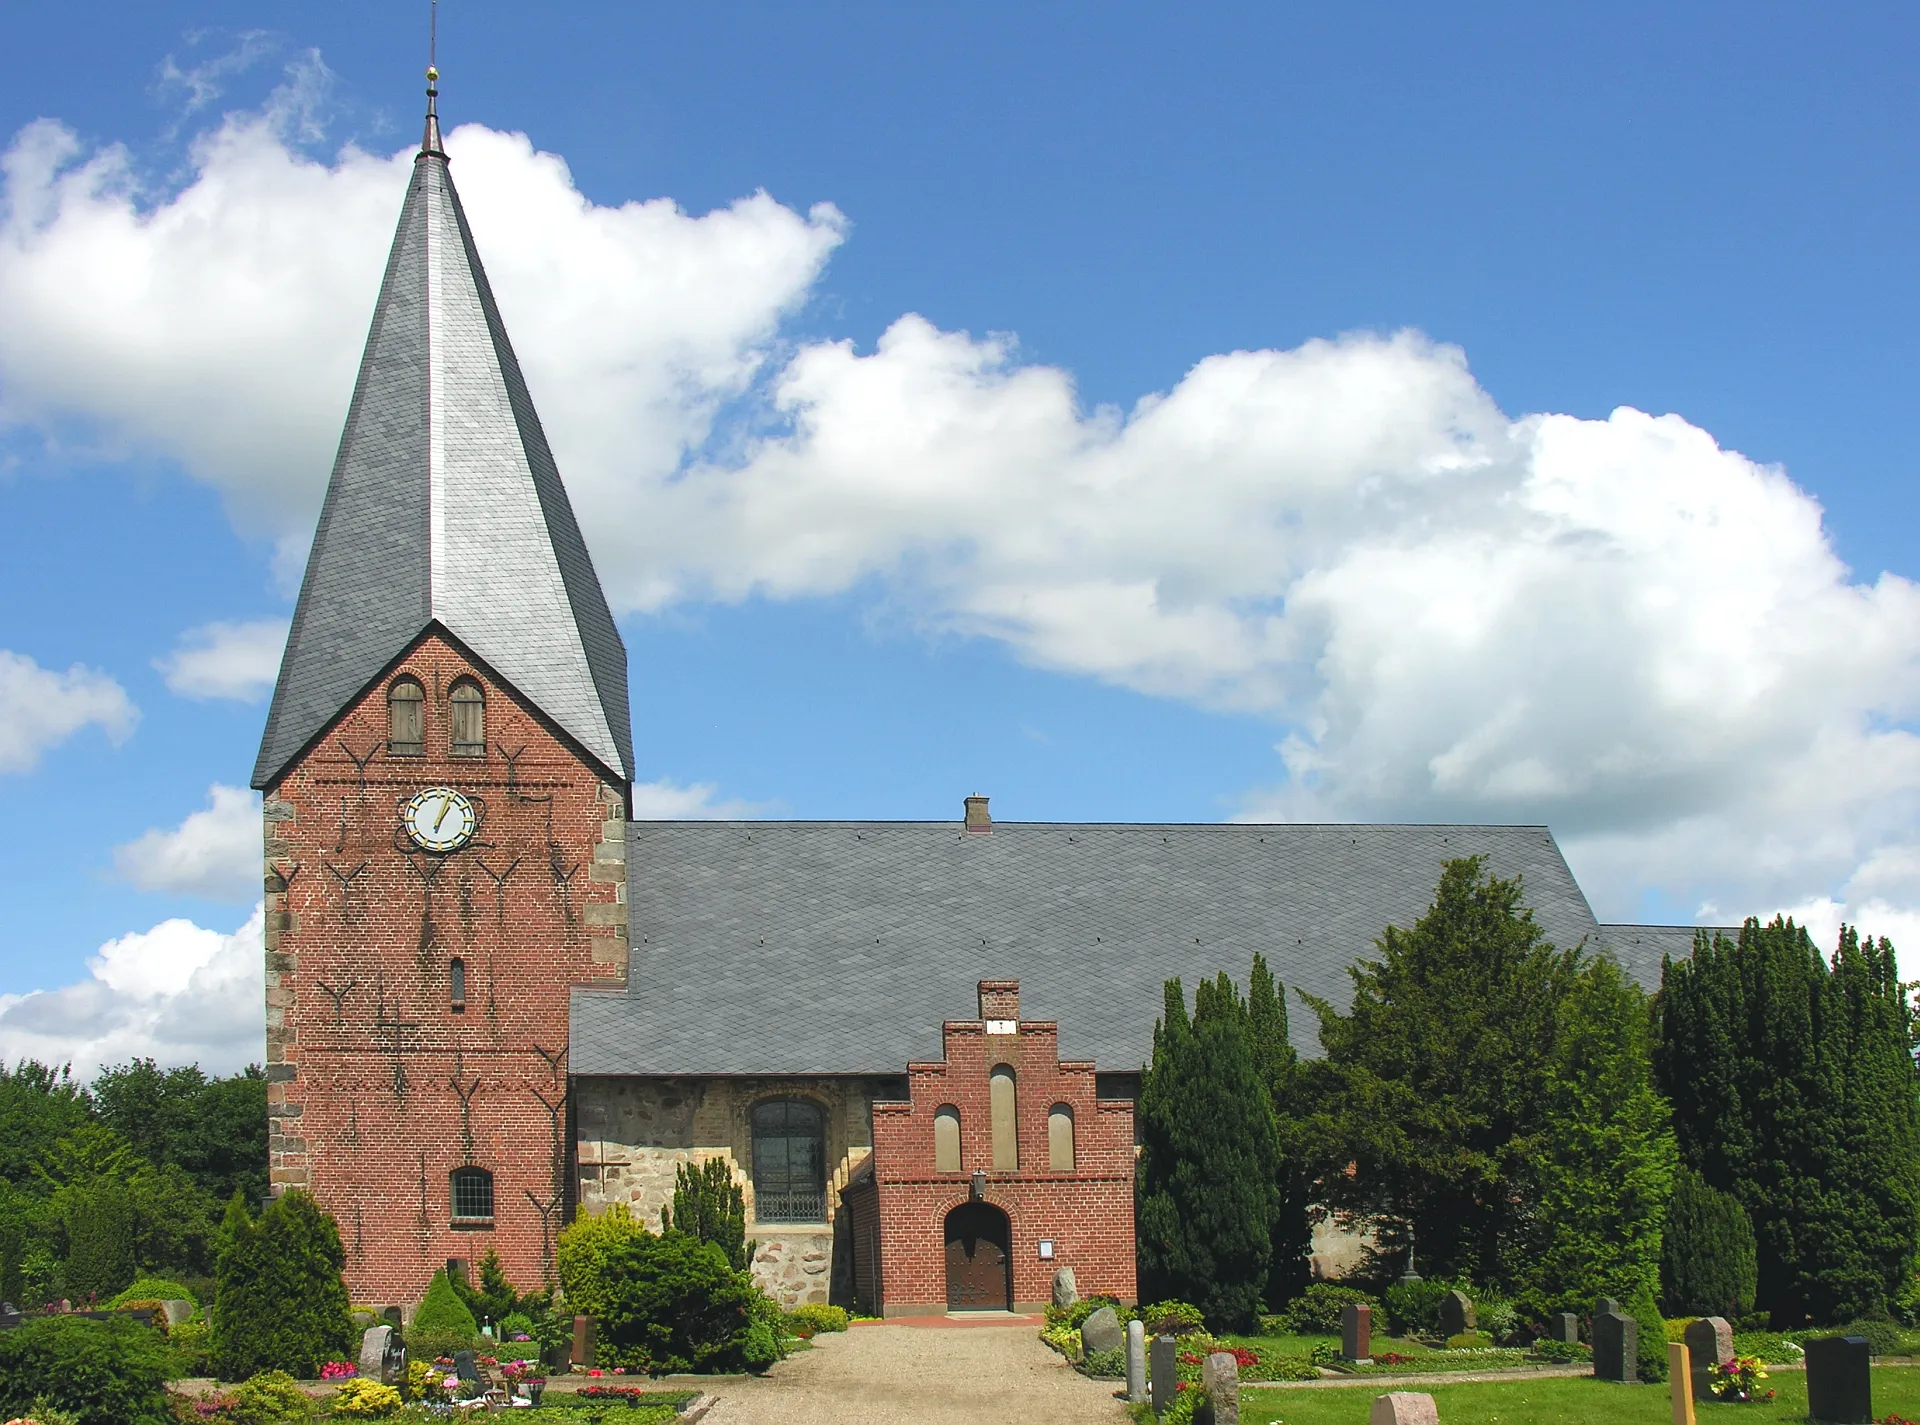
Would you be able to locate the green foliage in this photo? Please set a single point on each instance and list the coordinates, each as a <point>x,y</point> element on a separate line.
<point>1883,1337</point>
<point>1172,1318</point>
<point>270,1398</point>
<point>766,1328</point>
<point>495,1297</point>
<point>1077,1314</point>
<point>212,1129</point>
<point>1104,1365</point>
<point>192,1343</point>
<point>1209,1162</point>
<point>1316,1311</point>
<point>666,1303</point>
<point>99,1220</point>
<point>1562,1352</point>
<point>39,1105</point>
<point>443,1322</point>
<point>1599,1165</point>
<point>155,1289</point>
<point>1433,1074</point>
<point>279,1302</point>
<point>814,1319</point>
<point>1297,1138</point>
<point>1413,1308</point>
<point>1707,1260</point>
<point>365,1400</point>
<point>1794,1089</point>
<point>1469,1341</point>
<point>1653,1333</point>
<point>708,1204</point>
<point>99,1372</point>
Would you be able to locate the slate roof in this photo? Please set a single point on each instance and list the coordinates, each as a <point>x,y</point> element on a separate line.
<point>840,947</point>
<point>1638,948</point>
<point>445,507</point>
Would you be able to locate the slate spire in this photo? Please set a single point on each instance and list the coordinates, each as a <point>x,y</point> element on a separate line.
<point>446,508</point>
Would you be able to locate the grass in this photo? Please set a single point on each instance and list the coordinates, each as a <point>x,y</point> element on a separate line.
<point>1424,1359</point>
<point>1569,1401</point>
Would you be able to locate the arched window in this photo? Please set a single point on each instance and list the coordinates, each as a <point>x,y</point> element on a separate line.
<point>789,1162</point>
<point>946,1139</point>
<point>469,719</point>
<point>1060,1137</point>
<point>406,718</point>
<point>1006,1120</point>
<point>457,985</point>
<point>472,1193</point>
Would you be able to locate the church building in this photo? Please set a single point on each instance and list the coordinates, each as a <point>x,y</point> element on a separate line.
<point>494,1000</point>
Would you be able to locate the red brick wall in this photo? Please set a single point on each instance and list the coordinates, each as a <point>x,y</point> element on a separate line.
<point>368,1064</point>
<point>1087,1213</point>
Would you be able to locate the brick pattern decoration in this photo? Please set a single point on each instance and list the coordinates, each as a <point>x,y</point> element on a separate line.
<point>377,1088</point>
<point>1087,1213</point>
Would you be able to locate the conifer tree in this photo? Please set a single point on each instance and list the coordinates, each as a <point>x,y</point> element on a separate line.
<point>1208,1176</point>
<point>1277,1065</point>
<point>708,1204</point>
<point>1600,1165</point>
<point>100,1240</point>
<point>1707,1263</point>
<point>279,1301</point>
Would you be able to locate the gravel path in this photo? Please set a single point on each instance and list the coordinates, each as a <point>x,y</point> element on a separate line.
<point>908,1375</point>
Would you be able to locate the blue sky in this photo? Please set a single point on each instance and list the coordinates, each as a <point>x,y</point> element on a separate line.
<point>1340,576</point>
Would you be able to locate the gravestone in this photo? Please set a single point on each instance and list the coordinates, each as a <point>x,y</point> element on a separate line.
<point>1616,1348</point>
<point>1356,1332</point>
<point>1456,1313</point>
<point>1065,1291</point>
<point>1709,1343</point>
<point>374,1344</point>
<point>1839,1379</point>
<point>1221,1376</point>
<point>1165,1374</point>
<point>1403,1407</point>
<point>1604,1305</point>
<point>1136,1362</point>
<point>177,1311</point>
<point>1101,1332</point>
<point>1564,1326</point>
<point>1680,1381</point>
<point>583,1340</point>
<point>465,1367</point>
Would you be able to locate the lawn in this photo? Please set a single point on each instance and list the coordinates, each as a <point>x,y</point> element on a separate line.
<point>1568,1401</point>
<point>1421,1358</point>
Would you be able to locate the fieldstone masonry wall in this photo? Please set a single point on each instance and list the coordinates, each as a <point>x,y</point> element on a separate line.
<point>378,1085</point>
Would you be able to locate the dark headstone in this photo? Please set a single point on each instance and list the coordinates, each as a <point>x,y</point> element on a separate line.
<point>393,1316</point>
<point>1709,1343</point>
<point>1604,1305</point>
<point>1564,1326</point>
<point>1839,1380</point>
<point>1616,1348</point>
<point>464,1366</point>
<point>582,1341</point>
<point>1456,1313</point>
<point>1164,1374</point>
<point>1101,1332</point>
<point>1356,1332</point>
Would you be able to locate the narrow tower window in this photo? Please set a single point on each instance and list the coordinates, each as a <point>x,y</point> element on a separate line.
<point>1060,1138</point>
<point>457,985</point>
<point>946,1139</point>
<point>406,718</point>
<point>472,1192</point>
<point>469,719</point>
<point>1006,1132</point>
<point>789,1162</point>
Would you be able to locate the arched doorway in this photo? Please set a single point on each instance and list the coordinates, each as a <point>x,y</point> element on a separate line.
<point>979,1258</point>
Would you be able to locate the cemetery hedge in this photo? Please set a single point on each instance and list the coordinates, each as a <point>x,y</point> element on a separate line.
<point>1708,1265</point>
<point>98,1372</point>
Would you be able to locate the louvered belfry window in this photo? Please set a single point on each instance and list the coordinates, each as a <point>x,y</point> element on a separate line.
<point>406,718</point>
<point>469,719</point>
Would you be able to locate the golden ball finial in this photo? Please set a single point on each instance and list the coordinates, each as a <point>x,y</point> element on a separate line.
<point>432,74</point>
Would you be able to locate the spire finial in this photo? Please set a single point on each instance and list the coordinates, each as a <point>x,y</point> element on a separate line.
<point>430,142</point>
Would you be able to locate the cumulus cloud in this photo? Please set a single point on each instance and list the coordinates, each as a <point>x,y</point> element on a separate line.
<point>178,993</point>
<point>40,709</point>
<point>226,660</point>
<point>696,801</point>
<point>213,853</point>
<point>1616,626</point>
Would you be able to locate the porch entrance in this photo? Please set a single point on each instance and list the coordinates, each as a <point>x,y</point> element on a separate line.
<point>979,1259</point>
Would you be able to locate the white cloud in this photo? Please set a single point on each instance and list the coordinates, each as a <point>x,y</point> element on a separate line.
<point>213,853</point>
<point>226,660</point>
<point>697,801</point>
<point>178,993</point>
<point>1613,626</point>
<point>40,709</point>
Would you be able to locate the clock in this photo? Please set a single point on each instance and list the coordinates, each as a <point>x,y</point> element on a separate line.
<point>439,819</point>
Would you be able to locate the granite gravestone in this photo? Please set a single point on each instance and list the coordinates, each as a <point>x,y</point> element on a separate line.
<point>1221,1376</point>
<point>1101,1332</point>
<point>373,1353</point>
<point>1356,1332</point>
<point>1616,1347</point>
<point>1066,1291</point>
<point>1709,1343</point>
<point>1565,1327</point>
<point>1165,1373</point>
<point>1839,1380</point>
<point>177,1311</point>
<point>583,1340</point>
<point>1456,1313</point>
<point>1403,1407</point>
<point>1604,1305</point>
<point>1136,1362</point>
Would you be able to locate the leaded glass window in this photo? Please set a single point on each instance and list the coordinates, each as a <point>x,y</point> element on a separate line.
<point>789,1162</point>
<point>472,1195</point>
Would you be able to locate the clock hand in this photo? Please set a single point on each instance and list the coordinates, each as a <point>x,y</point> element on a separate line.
<point>439,821</point>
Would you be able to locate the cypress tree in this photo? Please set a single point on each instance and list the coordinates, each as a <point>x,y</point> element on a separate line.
<point>1277,1066</point>
<point>1207,1184</point>
<point>1707,1263</point>
<point>708,1204</point>
<point>1601,1164</point>
<point>279,1302</point>
<point>100,1257</point>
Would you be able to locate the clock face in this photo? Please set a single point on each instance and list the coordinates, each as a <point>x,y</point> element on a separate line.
<point>439,819</point>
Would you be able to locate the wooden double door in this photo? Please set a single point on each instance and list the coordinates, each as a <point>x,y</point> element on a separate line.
<point>979,1259</point>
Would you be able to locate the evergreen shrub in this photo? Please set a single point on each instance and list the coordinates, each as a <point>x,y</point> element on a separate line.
<point>1883,1337</point>
<point>99,1241</point>
<point>1653,1334</point>
<point>1104,1365</point>
<point>1078,1313</point>
<point>270,1398</point>
<point>99,1372</point>
<point>1708,1261</point>
<point>1317,1310</point>
<point>812,1319</point>
<point>279,1302</point>
<point>708,1204</point>
<point>1413,1308</point>
<point>1171,1318</point>
<point>494,1298</point>
<point>155,1289</point>
<point>442,1323</point>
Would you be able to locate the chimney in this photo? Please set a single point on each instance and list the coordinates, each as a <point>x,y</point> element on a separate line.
<point>979,822</point>
<point>1000,1002</point>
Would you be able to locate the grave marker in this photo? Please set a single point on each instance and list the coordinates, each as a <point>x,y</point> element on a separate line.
<point>1165,1374</point>
<point>1221,1376</point>
<point>1839,1380</point>
<point>1136,1362</point>
<point>1616,1348</point>
<point>1356,1332</point>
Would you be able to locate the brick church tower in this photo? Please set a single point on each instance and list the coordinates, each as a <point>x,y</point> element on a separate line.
<point>447,769</point>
